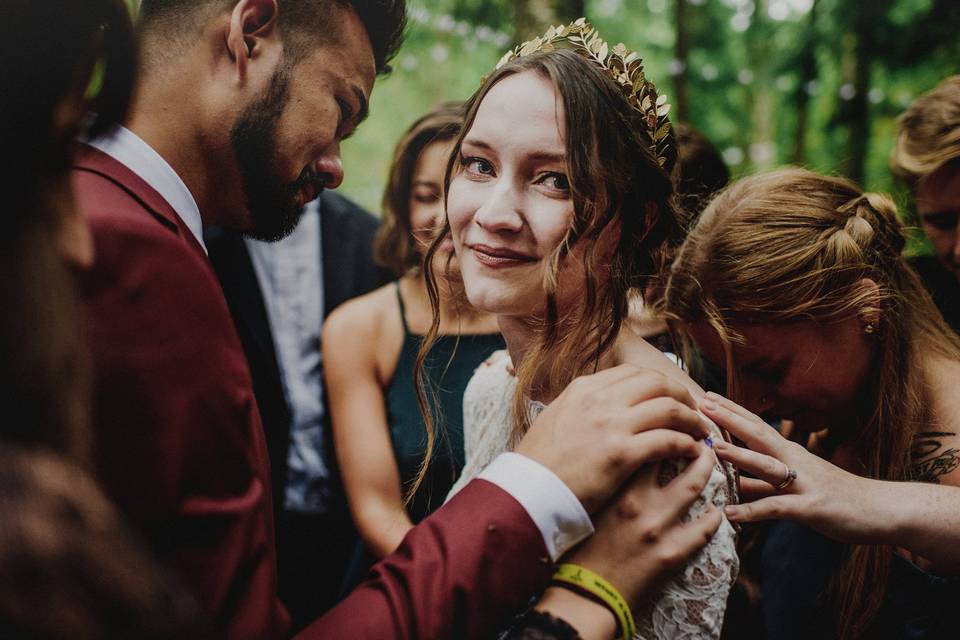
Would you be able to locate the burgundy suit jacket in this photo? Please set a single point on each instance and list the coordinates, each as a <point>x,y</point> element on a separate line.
<point>180,448</point>
<point>178,441</point>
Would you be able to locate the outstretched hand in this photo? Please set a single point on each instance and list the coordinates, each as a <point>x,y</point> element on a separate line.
<point>823,496</point>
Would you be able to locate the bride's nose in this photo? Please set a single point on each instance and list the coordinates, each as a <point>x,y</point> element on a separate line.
<point>502,211</point>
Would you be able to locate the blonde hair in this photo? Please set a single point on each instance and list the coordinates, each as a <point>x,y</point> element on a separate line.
<point>618,189</point>
<point>791,245</point>
<point>929,133</point>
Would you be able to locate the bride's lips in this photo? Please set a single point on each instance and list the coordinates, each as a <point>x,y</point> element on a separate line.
<point>499,257</point>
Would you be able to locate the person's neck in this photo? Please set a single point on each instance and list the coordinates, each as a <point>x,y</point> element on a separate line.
<point>164,115</point>
<point>457,315</point>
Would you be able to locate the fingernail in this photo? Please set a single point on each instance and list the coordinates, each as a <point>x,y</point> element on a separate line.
<point>710,405</point>
<point>713,394</point>
<point>708,441</point>
<point>720,445</point>
<point>731,511</point>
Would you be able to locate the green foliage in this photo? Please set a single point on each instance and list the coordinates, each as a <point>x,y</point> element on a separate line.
<point>746,80</point>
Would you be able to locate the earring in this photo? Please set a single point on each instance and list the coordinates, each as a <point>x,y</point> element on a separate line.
<point>869,329</point>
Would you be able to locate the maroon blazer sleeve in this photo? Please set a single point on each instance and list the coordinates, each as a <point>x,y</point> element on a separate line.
<point>178,439</point>
<point>461,573</point>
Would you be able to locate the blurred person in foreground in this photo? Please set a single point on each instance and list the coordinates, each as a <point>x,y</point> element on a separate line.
<point>927,158</point>
<point>69,568</point>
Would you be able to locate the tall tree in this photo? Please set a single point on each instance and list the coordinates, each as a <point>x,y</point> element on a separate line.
<point>532,17</point>
<point>681,53</point>
<point>807,66</point>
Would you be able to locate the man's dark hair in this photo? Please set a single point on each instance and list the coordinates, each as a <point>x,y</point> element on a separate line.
<point>303,24</point>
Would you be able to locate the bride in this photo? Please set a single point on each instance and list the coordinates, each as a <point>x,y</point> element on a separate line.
<point>559,204</point>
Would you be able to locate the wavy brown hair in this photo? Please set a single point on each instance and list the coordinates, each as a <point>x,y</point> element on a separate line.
<point>619,190</point>
<point>394,246</point>
<point>792,244</point>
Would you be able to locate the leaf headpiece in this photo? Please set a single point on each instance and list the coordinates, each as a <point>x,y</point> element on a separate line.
<point>619,63</point>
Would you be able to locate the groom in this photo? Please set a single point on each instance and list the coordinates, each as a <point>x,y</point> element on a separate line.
<point>237,122</point>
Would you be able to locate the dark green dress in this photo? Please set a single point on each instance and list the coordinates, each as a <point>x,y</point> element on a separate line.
<point>451,364</point>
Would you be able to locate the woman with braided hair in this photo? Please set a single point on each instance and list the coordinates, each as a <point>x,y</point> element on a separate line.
<point>560,204</point>
<point>795,283</point>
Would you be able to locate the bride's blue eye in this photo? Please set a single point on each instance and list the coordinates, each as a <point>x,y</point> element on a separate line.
<point>556,181</point>
<point>475,165</point>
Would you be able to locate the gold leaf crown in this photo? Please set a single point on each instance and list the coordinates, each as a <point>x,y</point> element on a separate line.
<point>622,65</point>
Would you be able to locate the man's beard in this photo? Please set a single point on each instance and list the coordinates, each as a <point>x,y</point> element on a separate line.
<point>273,204</point>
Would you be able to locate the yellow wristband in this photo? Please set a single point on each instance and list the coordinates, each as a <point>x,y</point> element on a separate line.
<point>583,578</point>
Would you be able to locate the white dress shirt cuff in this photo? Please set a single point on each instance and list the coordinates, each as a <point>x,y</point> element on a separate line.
<point>562,520</point>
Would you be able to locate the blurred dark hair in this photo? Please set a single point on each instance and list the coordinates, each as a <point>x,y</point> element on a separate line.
<point>60,61</point>
<point>69,568</point>
<point>394,246</point>
<point>304,24</point>
<point>56,50</point>
<point>701,170</point>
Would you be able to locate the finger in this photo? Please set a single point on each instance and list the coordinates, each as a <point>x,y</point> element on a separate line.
<point>753,432</point>
<point>685,489</point>
<point>647,384</point>
<point>753,489</point>
<point>767,468</point>
<point>607,377</point>
<point>777,507</point>
<point>659,444</point>
<point>694,535</point>
<point>665,413</point>
<point>738,409</point>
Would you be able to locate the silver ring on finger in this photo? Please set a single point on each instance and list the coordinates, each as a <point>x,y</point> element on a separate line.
<point>789,475</point>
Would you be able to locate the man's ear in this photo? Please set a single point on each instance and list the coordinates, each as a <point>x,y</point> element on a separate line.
<point>250,22</point>
<point>869,314</point>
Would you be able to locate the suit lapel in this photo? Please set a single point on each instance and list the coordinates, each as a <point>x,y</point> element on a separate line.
<point>243,293</point>
<point>93,160</point>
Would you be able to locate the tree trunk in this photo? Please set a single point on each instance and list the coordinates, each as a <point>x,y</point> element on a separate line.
<point>681,49</point>
<point>532,17</point>
<point>858,110</point>
<point>762,152</point>
<point>807,63</point>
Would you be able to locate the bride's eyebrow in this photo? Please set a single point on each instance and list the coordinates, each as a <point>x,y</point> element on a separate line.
<point>476,142</point>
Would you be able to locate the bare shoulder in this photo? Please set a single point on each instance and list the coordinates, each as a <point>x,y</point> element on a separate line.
<point>632,349</point>
<point>362,318</point>
<point>936,447</point>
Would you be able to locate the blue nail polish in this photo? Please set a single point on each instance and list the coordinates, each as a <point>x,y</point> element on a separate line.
<point>708,441</point>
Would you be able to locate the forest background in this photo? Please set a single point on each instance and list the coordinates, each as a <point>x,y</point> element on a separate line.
<point>817,83</point>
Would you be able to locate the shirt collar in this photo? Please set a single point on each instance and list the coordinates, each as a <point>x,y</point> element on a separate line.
<point>129,149</point>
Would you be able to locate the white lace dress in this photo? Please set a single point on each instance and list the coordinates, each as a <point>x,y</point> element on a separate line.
<point>692,604</point>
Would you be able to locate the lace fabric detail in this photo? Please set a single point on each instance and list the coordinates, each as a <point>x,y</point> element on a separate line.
<point>692,604</point>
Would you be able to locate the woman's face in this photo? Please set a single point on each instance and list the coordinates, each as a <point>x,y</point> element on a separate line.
<point>509,204</point>
<point>426,195</point>
<point>808,372</point>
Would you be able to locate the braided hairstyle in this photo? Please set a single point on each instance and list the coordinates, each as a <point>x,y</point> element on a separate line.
<point>794,245</point>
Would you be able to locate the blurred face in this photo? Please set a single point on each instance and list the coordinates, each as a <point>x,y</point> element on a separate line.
<point>938,206</point>
<point>808,372</point>
<point>509,204</point>
<point>426,195</point>
<point>287,140</point>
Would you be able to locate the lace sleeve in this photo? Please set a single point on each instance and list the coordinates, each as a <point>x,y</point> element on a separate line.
<point>486,416</point>
<point>693,603</point>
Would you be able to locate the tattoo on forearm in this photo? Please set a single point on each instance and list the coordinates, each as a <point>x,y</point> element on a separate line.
<point>930,460</point>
